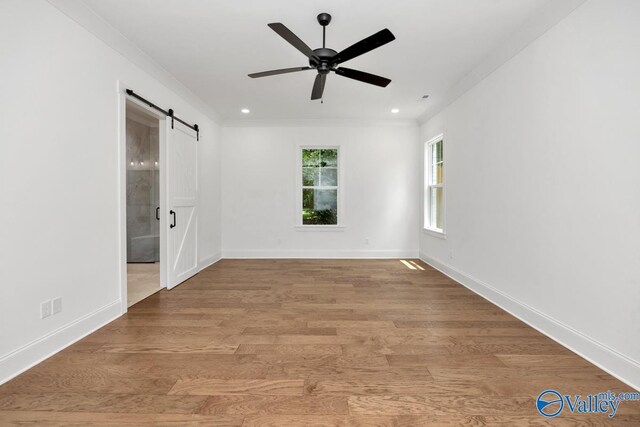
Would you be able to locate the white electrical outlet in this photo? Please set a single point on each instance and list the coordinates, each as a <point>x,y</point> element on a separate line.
<point>366,241</point>
<point>45,309</point>
<point>57,305</point>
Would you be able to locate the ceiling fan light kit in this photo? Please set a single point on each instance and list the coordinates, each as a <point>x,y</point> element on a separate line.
<point>325,60</point>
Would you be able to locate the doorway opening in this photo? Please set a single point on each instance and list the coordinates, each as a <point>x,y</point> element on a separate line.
<point>142,203</point>
<point>158,182</point>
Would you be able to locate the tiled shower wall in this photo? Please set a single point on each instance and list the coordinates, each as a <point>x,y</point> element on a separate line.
<point>143,182</point>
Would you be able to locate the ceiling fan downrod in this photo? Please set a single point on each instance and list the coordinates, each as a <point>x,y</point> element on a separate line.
<point>324,19</point>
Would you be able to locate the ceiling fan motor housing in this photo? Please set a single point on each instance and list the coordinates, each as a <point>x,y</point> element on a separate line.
<point>321,60</point>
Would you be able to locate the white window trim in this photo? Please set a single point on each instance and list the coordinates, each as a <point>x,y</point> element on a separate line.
<point>427,229</point>
<point>299,226</point>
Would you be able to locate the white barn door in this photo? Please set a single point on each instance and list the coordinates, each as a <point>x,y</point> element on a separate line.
<point>182,203</point>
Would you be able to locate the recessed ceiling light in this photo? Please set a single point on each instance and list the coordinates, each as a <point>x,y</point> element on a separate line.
<point>245,111</point>
<point>395,110</point>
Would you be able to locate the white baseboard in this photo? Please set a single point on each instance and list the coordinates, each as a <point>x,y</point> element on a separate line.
<point>620,366</point>
<point>29,355</point>
<point>322,254</point>
<point>209,261</point>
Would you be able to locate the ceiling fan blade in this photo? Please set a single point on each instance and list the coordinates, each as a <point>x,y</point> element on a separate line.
<point>363,77</point>
<point>318,86</point>
<point>276,72</point>
<point>363,46</point>
<point>294,40</point>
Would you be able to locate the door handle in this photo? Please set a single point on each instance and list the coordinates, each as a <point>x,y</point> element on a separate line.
<point>158,213</point>
<point>174,219</point>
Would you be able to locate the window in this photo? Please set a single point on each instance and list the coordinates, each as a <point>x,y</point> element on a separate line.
<point>319,188</point>
<point>434,186</point>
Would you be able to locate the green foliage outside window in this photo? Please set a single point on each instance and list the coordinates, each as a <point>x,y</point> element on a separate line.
<point>320,181</point>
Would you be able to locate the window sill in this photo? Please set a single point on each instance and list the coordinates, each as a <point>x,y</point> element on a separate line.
<point>319,228</point>
<point>434,233</point>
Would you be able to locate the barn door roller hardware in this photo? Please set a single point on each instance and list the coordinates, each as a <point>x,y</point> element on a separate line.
<point>168,113</point>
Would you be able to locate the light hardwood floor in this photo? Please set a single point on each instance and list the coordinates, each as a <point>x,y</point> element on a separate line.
<point>308,343</point>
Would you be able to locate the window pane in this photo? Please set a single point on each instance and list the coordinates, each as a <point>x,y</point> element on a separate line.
<point>436,174</point>
<point>329,177</point>
<point>311,157</point>
<point>329,157</point>
<point>319,207</point>
<point>436,208</point>
<point>310,176</point>
<point>436,152</point>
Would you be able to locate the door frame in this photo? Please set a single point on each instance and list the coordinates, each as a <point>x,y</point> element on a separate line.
<point>122,190</point>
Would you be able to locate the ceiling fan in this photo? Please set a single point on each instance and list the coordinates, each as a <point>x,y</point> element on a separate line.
<point>325,60</point>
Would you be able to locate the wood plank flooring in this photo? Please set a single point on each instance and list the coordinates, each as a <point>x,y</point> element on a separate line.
<point>308,343</point>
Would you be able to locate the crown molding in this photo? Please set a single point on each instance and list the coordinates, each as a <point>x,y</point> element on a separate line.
<point>552,14</point>
<point>84,16</point>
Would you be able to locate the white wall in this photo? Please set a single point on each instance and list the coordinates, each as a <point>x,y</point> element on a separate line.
<point>381,191</point>
<point>59,179</point>
<point>543,193</point>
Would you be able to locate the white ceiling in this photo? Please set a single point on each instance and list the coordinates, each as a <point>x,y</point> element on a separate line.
<point>211,46</point>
